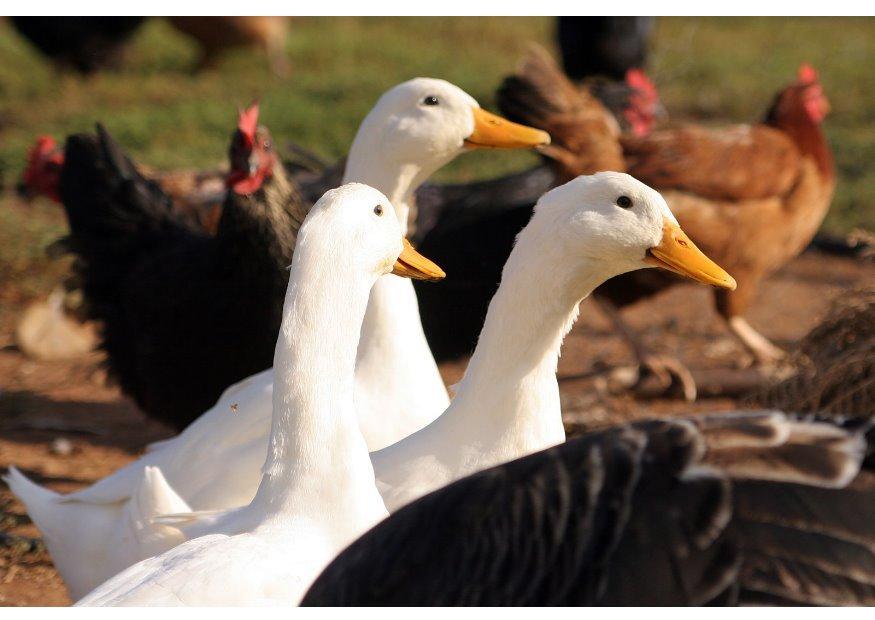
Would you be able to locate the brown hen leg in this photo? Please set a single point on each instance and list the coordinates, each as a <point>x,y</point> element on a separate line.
<point>762,349</point>
<point>669,371</point>
<point>731,306</point>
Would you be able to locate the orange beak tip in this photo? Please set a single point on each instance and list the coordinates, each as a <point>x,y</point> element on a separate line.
<point>677,253</point>
<point>412,264</point>
<point>493,131</point>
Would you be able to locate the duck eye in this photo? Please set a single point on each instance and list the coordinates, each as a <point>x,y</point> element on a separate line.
<point>624,201</point>
<point>430,100</point>
<point>378,210</point>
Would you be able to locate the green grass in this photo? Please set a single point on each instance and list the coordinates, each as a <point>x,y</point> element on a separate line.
<point>729,69</point>
<point>710,70</point>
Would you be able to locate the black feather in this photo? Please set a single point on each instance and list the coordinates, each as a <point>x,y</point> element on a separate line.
<point>632,515</point>
<point>184,313</point>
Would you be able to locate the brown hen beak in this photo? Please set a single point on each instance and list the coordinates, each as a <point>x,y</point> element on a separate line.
<point>677,252</point>
<point>412,264</point>
<point>493,132</point>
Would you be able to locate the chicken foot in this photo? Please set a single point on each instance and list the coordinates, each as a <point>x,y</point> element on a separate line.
<point>667,370</point>
<point>764,352</point>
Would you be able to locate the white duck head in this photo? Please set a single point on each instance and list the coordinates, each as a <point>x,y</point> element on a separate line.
<point>360,227</point>
<point>612,220</point>
<point>581,234</point>
<point>348,240</point>
<point>419,126</point>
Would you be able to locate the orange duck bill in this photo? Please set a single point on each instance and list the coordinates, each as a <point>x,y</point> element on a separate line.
<point>412,264</point>
<point>676,252</point>
<point>494,132</point>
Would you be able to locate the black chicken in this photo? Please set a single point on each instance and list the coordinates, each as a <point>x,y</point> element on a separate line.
<point>181,308</point>
<point>86,44</point>
<point>605,46</point>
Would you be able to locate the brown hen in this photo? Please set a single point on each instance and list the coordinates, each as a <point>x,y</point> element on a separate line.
<point>751,196</point>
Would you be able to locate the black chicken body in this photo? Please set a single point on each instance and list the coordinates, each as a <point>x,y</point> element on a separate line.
<point>185,314</point>
<point>86,44</point>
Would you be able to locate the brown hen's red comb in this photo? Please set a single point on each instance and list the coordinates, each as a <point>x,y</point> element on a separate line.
<point>248,120</point>
<point>636,78</point>
<point>807,74</point>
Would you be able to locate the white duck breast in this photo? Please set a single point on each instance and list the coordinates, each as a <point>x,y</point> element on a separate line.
<point>413,130</point>
<point>317,493</point>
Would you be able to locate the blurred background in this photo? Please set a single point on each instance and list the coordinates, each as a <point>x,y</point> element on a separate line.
<point>169,92</point>
<point>168,111</point>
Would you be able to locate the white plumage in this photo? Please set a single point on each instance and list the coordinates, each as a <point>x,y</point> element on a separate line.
<point>317,493</point>
<point>215,463</point>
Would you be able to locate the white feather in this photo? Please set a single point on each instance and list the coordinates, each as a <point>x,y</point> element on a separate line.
<point>317,493</point>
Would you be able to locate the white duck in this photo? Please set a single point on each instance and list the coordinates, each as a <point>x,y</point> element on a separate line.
<point>507,404</point>
<point>414,129</point>
<point>317,493</point>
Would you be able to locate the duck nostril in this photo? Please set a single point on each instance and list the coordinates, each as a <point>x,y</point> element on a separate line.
<point>682,242</point>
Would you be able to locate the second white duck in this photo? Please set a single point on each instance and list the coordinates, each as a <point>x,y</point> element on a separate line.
<point>317,492</point>
<point>507,405</point>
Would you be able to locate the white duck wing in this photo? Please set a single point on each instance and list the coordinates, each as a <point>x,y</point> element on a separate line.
<point>152,498</point>
<point>230,439</point>
<point>94,533</point>
<point>90,543</point>
<point>749,507</point>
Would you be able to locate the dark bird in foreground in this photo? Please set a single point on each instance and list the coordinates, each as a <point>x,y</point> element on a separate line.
<point>86,44</point>
<point>743,508</point>
<point>180,307</point>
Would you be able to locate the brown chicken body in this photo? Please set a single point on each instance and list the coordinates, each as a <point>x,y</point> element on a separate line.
<point>751,196</point>
<point>217,34</point>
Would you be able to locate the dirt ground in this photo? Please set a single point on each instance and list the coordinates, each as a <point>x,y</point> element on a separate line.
<point>63,426</point>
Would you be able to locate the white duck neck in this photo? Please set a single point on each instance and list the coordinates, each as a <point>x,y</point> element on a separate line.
<point>397,180</point>
<point>510,383</point>
<point>393,347</point>
<point>317,459</point>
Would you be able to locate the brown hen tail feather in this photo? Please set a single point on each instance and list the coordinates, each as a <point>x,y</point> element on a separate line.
<point>584,134</point>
